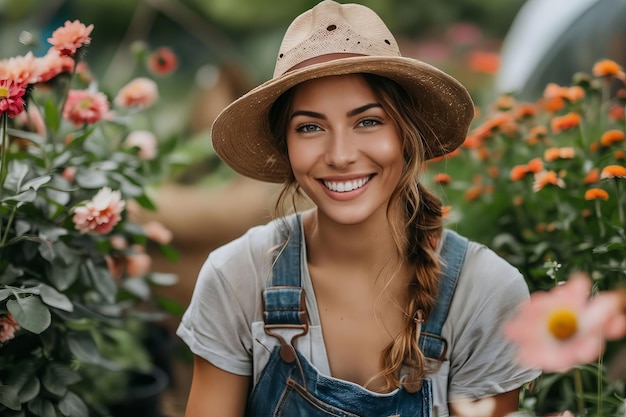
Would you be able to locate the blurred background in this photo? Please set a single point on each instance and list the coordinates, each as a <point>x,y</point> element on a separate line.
<point>226,47</point>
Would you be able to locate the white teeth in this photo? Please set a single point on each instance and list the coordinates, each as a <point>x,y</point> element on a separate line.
<point>345,186</point>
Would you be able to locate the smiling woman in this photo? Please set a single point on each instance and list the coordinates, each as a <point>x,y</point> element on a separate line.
<point>364,304</point>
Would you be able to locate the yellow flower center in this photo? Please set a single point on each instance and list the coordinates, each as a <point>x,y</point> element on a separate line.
<point>563,323</point>
<point>4,92</point>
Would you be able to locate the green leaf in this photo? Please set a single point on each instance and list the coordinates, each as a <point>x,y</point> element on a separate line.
<point>84,348</point>
<point>35,183</point>
<point>10,273</point>
<point>42,407</point>
<point>145,202</point>
<point>90,179</point>
<point>57,377</point>
<point>102,280</point>
<point>30,313</point>
<point>9,398</point>
<point>31,136</point>
<point>163,279</point>
<point>46,250</point>
<point>170,253</point>
<point>55,299</point>
<point>71,405</point>
<point>15,176</point>
<point>5,293</point>
<point>30,389</point>
<point>62,276</point>
<point>27,196</point>
<point>138,287</point>
<point>52,116</point>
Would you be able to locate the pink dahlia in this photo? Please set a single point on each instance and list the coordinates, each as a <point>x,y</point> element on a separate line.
<point>83,106</point>
<point>22,69</point>
<point>559,329</point>
<point>145,141</point>
<point>163,61</point>
<point>101,214</point>
<point>140,92</point>
<point>8,327</point>
<point>52,64</point>
<point>11,97</point>
<point>68,38</point>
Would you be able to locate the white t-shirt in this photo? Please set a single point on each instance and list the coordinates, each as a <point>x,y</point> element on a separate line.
<point>224,323</point>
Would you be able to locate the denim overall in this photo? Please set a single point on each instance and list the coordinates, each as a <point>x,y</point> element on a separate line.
<point>291,386</point>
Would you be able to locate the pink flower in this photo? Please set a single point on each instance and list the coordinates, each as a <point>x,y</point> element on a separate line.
<point>22,69</point>
<point>138,263</point>
<point>69,173</point>
<point>140,92</point>
<point>52,64</point>
<point>158,232</point>
<point>83,106</point>
<point>8,327</point>
<point>68,38</point>
<point>101,214</point>
<point>11,97</point>
<point>562,328</point>
<point>145,141</point>
<point>163,61</point>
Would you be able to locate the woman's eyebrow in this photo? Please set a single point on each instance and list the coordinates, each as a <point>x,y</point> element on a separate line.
<point>362,109</point>
<point>351,113</point>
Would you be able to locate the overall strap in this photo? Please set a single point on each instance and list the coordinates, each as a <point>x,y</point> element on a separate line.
<point>284,301</point>
<point>452,257</point>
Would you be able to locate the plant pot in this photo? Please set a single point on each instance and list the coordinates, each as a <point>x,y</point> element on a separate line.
<point>142,397</point>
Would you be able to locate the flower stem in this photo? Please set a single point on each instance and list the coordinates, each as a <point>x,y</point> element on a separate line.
<point>3,151</point>
<point>600,381</point>
<point>578,384</point>
<point>620,206</point>
<point>599,217</point>
<point>6,231</point>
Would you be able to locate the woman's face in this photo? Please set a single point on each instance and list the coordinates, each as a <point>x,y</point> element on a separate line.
<point>345,150</point>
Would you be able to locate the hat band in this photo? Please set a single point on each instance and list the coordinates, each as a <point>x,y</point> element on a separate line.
<point>321,59</point>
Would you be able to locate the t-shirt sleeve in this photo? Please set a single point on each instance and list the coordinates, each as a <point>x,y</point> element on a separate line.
<point>216,325</point>
<point>482,361</point>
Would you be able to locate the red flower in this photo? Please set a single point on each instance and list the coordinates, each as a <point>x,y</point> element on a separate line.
<point>163,61</point>
<point>11,98</point>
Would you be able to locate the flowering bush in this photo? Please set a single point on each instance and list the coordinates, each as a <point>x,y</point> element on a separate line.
<point>543,184</point>
<point>75,276</point>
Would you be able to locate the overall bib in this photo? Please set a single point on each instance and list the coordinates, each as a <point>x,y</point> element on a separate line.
<point>290,386</point>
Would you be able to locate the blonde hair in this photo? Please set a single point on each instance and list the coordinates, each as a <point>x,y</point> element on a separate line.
<point>414,214</point>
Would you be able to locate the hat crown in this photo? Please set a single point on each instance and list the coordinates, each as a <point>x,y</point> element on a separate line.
<point>330,28</point>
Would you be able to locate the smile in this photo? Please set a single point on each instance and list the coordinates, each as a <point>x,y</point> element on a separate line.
<point>345,186</point>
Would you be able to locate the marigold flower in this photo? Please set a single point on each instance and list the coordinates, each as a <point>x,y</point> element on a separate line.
<point>596,194</point>
<point>84,107</point>
<point>619,155</point>
<point>11,98</point>
<point>68,38</point>
<point>525,111</point>
<point>140,92</point>
<point>617,112</point>
<point>446,212</point>
<point>613,171</point>
<point>535,165</point>
<point>606,68</point>
<point>545,178</point>
<point>504,102</point>
<point>8,327</point>
<point>145,141</point>
<point>559,329</point>
<point>575,93</point>
<point>612,136</point>
<point>474,192</point>
<point>518,200</point>
<point>592,176</point>
<point>518,172</point>
<point>551,154</point>
<point>484,62</point>
<point>567,152</point>
<point>442,178</point>
<point>566,122</point>
<point>163,61</point>
<point>101,214</point>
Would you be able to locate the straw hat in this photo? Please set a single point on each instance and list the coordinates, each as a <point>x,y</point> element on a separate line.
<point>241,134</point>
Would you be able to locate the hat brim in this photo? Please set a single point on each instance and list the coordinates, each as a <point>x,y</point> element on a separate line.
<point>242,139</point>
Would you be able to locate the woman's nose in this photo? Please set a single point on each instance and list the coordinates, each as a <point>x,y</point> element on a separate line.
<point>341,151</point>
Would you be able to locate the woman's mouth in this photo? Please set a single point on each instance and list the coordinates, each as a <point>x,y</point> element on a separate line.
<point>345,186</point>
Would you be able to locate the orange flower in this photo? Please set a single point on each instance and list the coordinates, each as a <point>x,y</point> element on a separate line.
<point>606,68</point>
<point>566,122</point>
<point>545,178</point>
<point>493,171</point>
<point>473,192</point>
<point>592,177</point>
<point>518,172</point>
<point>619,155</point>
<point>567,152</point>
<point>68,38</point>
<point>551,154</point>
<point>586,213</point>
<point>612,136</point>
<point>518,200</point>
<point>445,211</point>
<point>483,61</point>
<point>596,194</point>
<point>613,171</point>
<point>616,112</point>
<point>537,133</point>
<point>473,141</point>
<point>504,102</point>
<point>535,165</point>
<point>442,178</point>
<point>525,111</point>
<point>575,93</point>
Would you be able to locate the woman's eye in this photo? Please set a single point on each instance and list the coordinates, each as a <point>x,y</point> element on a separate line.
<point>307,128</point>
<point>369,122</point>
